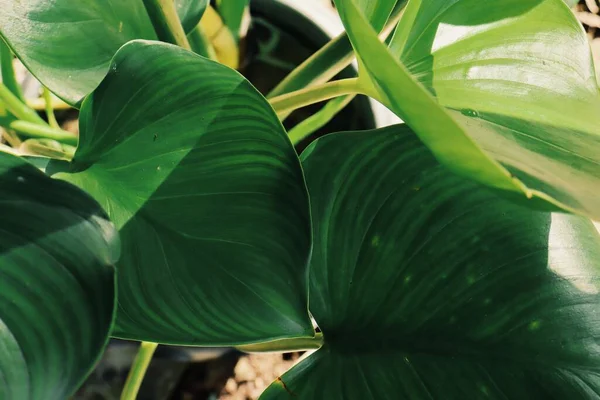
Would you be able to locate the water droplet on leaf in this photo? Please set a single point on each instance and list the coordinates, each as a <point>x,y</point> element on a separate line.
<point>469,112</point>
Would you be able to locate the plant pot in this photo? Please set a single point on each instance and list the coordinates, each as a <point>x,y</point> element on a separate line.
<point>286,32</point>
<point>283,34</point>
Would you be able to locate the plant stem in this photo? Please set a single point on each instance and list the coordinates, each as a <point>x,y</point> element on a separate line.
<point>323,65</point>
<point>285,345</point>
<point>40,104</point>
<point>18,108</point>
<point>11,137</point>
<point>330,60</point>
<point>200,43</point>
<point>318,120</point>
<point>48,148</point>
<point>138,370</point>
<point>36,130</point>
<point>289,102</point>
<point>166,22</point>
<point>8,71</point>
<point>49,110</point>
<point>9,150</point>
<point>223,41</point>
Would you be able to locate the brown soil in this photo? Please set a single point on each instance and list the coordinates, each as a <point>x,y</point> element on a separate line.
<point>254,373</point>
<point>588,13</point>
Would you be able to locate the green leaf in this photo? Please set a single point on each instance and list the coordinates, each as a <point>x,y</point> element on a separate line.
<point>232,12</point>
<point>500,93</point>
<point>376,11</point>
<point>190,12</point>
<point>197,172</point>
<point>68,44</point>
<point>57,283</point>
<point>7,71</point>
<point>427,285</point>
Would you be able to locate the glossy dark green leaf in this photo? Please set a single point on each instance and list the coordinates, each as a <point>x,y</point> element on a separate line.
<point>68,44</point>
<point>195,169</point>
<point>427,285</point>
<point>190,12</point>
<point>503,94</point>
<point>57,283</point>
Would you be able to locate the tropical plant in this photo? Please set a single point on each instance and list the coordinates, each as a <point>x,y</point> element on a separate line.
<point>449,257</point>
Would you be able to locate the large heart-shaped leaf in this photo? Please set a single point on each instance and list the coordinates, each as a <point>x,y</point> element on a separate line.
<point>196,171</point>
<point>57,283</point>
<point>68,44</point>
<point>427,285</point>
<point>501,93</point>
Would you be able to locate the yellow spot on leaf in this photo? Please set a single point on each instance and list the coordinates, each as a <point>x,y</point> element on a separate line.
<point>375,241</point>
<point>120,26</point>
<point>535,325</point>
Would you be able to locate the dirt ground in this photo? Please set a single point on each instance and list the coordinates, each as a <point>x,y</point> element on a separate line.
<point>254,373</point>
<point>588,13</point>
